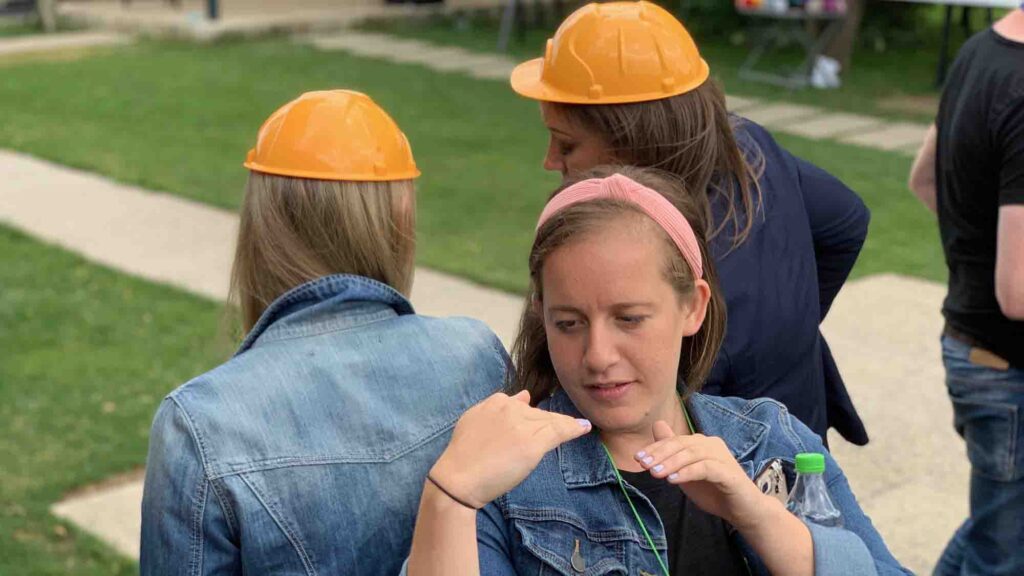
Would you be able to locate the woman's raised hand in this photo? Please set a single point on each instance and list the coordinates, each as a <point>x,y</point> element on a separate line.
<point>706,471</point>
<point>497,443</point>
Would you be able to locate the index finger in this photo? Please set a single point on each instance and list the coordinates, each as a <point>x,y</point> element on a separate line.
<point>556,429</point>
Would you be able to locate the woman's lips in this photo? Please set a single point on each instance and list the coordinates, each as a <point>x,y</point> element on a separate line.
<point>608,391</point>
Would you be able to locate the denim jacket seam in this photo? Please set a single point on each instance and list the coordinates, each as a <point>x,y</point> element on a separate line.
<point>197,437</point>
<point>352,321</point>
<point>291,461</point>
<point>293,538</point>
<point>385,293</point>
<point>499,352</point>
<point>787,429</point>
<point>229,513</point>
<point>197,540</point>
<point>555,514</point>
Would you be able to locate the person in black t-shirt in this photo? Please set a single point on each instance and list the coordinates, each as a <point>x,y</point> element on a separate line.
<point>970,171</point>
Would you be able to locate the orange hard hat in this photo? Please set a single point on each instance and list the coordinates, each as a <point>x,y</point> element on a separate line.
<point>332,135</point>
<point>614,53</point>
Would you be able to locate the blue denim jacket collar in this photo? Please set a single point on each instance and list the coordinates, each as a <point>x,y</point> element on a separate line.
<point>584,464</point>
<point>297,309</point>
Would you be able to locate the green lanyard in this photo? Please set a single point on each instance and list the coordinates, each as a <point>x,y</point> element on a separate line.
<point>622,485</point>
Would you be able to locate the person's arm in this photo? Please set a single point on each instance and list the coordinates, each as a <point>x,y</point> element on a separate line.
<point>184,528</point>
<point>922,174</point>
<point>1010,261</point>
<point>495,446</point>
<point>1010,231</point>
<point>839,225</point>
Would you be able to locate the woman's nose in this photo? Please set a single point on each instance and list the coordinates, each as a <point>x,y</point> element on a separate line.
<point>600,353</point>
<point>553,160</point>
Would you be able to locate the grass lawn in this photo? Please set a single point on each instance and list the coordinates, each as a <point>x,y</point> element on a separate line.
<point>86,354</point>
<point>179,118</point>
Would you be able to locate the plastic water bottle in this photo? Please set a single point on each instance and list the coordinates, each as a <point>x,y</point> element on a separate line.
<point>809,497</point>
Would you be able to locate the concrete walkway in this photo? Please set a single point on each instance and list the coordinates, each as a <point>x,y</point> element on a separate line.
<point>912,478</point>
<point>60,42</point>
<point>245,17</point>
<point>799,120</point>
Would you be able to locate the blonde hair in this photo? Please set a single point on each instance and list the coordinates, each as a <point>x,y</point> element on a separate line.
<point>690,135</point>
<point>533,369</point>
<point>295,230</point>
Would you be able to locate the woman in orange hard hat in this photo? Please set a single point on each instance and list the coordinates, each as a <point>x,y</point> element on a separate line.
<point>624,82</point>
<point>305,452</point>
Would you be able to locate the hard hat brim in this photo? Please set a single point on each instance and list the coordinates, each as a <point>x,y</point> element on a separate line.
<point>404,175</point>
<point>527,82</point>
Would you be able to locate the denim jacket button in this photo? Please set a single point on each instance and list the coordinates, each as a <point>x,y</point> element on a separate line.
<point>578,564</point>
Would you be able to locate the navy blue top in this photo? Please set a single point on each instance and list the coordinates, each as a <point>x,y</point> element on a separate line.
<point>779,284</point>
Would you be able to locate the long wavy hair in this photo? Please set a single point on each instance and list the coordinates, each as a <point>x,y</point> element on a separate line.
<point>690,135</point>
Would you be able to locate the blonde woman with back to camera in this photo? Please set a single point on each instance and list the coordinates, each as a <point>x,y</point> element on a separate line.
<point>305,452</point>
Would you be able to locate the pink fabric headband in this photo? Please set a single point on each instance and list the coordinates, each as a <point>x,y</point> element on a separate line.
<point>619,187</point>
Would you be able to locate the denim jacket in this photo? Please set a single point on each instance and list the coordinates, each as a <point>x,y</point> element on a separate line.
<point>572,499</point>
<point>306,452</point>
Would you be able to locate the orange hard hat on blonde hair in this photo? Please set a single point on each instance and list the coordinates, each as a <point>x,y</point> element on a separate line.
<point>614,53</point>
<point>333,135</point>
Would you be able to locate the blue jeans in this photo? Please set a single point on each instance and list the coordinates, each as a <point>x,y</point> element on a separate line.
<point>988,408</point>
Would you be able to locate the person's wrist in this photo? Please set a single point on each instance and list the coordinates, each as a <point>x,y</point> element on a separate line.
<point>763,513</point>
<point>434,498</point>
<point>447,479</point>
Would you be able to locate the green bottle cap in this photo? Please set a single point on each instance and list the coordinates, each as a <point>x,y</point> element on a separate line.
<point>810,463</point>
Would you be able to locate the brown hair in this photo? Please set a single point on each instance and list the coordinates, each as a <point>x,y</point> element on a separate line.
<point>295,230</point>
<point>690,135</point>
<point>533,369</point>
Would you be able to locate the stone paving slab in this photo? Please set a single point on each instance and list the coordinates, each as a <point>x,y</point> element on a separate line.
<point>830,125</point>
<point>35,43</point>
<point>113,514</point>
<point>740,103</point>
<point>773,115</point>
<point>893,137</point>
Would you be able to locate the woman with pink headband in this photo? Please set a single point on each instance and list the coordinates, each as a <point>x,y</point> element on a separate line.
<point>624,467</point>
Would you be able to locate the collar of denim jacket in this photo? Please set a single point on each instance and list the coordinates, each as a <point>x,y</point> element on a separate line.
<point>583,462</point>
<point>338,289</point>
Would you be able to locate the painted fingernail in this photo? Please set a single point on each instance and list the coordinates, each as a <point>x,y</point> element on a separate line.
<point>673,476</point>
<point>658,468</point>
<point>640,455</point>
<point>648,460</point>
<point>583,422</point>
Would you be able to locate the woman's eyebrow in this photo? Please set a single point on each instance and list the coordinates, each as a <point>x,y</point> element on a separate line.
<point>561,133</point>
<point>627,305</point>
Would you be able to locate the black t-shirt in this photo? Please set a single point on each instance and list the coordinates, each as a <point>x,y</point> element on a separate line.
<point>698,542</point>
<point>980,167</point>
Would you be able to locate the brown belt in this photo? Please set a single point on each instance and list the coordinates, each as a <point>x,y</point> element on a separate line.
<point>979,354</point>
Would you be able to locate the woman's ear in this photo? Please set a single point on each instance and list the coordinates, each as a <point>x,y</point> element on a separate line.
<point>537,305</point>
<point>695,308</point>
